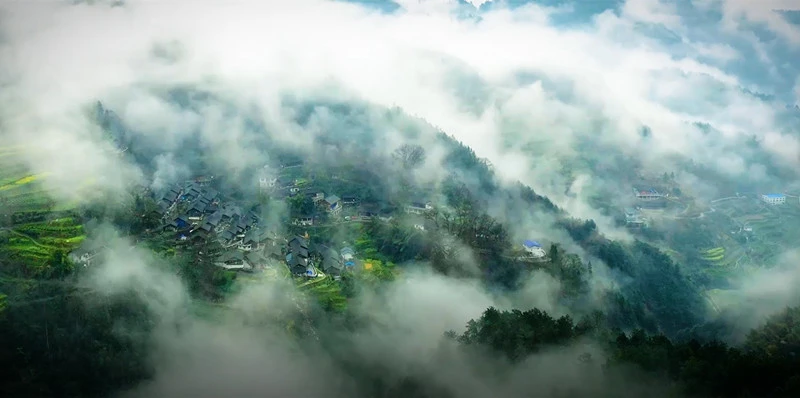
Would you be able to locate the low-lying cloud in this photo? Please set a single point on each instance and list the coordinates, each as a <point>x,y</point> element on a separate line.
<point>247,348</point>
<point>762,293</point>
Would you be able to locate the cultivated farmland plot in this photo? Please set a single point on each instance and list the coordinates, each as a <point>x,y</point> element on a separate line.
<point>33,239</point>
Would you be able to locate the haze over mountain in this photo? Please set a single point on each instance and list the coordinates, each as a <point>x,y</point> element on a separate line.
<point>579,101</point>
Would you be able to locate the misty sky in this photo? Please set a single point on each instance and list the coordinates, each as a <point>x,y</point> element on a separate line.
<point>545,75</point>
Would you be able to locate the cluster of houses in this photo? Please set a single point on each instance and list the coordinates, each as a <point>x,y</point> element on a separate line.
<point>196,211</point>
<point>333,205</point>
<point>304,259</point>
<point>204,213</point>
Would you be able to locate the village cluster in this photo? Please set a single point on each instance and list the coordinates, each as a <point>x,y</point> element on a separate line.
<point>194,210</point>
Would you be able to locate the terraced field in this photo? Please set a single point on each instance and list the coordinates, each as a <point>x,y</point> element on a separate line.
<point>328,293</point>
<point>20,190</point>
<point>774,228</point>
<point>714,255</point>
<point>33,231</point>
<point>36,244</point>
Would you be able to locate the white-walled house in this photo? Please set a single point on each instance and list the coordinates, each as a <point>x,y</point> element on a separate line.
<point>774,198</point>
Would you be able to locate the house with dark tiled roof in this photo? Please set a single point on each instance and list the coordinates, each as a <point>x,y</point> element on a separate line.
<point>162,208</point>
<point>233,260</point>
<point>385,214</point>
<point>332,204</point>
<point>316,195</point>
<point>272,249</point>
<point>230,212</point>
<point>197,210</point>
<point>299,245</point>
<point>192,192</point>
<point>368,210</point>
<point>256,239</point>
<point>350,200</point>
<point>256,260</point>
<point>170,197</point>
<point>199,234</point>
<point>297,265</point>
<point>297,257</point>
<point>227,237</point>
<point>419,206</point>
<point>329,260</point>
<point>178,224</point>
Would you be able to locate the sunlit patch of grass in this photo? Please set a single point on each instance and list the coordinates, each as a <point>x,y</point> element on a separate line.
<point>22,181</point>
<point>715,255</point>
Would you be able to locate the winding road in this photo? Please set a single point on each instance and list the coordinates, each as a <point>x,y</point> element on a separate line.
<point>703,214</point>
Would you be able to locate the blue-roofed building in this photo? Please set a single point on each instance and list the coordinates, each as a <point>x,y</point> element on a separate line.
<point>332,204</point>
<point>774,198</point>
<point>347,254</point>
<point>534,248</point>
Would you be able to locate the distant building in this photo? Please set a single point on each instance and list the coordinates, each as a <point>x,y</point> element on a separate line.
<point>350,200</point>
<point>233,261</point>
<point>419,207</point>
<point>84,257</point>
<point>348,255</point>
<point>314,194</point>
<point>305,220</point>
<point>647,194</point>
<point>633,217</point>
<point>297,256</point>
<point>332,204</point>
<point>534,248</point>
<point>774,198</point>
<point>330,261</point>
<point>297,265</point>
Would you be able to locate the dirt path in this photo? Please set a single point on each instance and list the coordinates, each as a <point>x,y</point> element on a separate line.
<point>26,236</point>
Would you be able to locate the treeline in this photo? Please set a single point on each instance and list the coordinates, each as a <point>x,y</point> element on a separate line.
<point>65,347</point>
<point>57,341</point>
<point>767,365</point>
<point>659,297</point>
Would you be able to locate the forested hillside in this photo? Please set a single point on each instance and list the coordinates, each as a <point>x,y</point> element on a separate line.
<point>62,337</point>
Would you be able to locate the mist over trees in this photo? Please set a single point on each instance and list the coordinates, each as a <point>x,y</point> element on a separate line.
<point>548,220</point>
<point>657,308</point>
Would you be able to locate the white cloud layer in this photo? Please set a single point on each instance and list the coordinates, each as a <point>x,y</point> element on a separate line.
<point>601,80</point>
